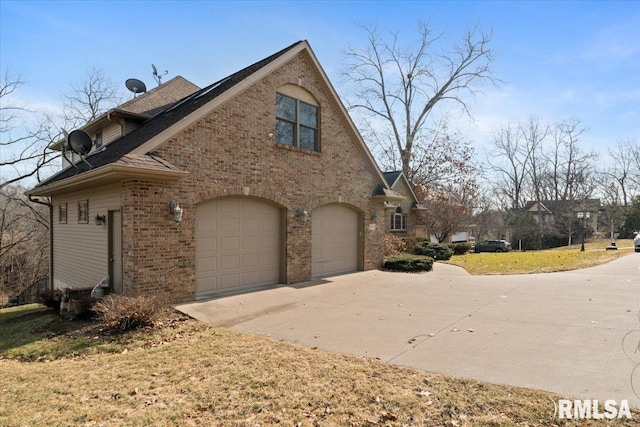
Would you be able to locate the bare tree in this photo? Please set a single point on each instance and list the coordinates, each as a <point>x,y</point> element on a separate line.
<point>570,175</point>
<point>624,169</point>
<point>401,86</point>
<point>445,213</point>
<point>511,163</point>
<point>87,100</point>
<point>23,241</point>
<point>20,144</point>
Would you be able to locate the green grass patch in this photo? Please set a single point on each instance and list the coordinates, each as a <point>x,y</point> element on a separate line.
<point>558,259</point>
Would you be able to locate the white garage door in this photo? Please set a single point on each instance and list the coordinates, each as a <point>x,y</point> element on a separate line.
<point>334,240</point>
<point>238,243</point>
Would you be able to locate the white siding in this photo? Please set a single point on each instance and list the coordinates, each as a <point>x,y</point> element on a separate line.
<point>80,257</point>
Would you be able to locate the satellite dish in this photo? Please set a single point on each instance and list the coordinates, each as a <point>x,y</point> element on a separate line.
<point>80,142</point>
<point>136,86</point>
<point>156,76</point>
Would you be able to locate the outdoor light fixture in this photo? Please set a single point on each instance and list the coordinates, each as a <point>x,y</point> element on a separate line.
<point>584,216</point>
<point>100,219</point>
<point>176,210</point>
<point>303,214</point>
<point>374,216</point>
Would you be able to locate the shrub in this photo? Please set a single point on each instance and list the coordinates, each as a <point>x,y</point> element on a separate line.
<point>50,299</point>
<point>412,241</point>
<point>393,245</point>
<point>408,262</point>
<point>437,251</point>
<point>128,313</point>
<point>460,248</point>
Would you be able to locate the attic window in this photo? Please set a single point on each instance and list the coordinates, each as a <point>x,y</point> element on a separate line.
<point>296,123</point>
<point>398,220</point>
<point>98,139</point>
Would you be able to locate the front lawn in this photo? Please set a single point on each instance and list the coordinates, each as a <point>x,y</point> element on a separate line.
<point>184,373</point>
<point>558,259</point>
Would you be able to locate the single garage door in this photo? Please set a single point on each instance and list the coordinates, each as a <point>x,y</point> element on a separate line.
<point>238,245</point>
<point>334,240</point>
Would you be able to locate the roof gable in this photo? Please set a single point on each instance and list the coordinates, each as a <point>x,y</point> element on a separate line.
<point>179,115</point>
<point>161,97</point>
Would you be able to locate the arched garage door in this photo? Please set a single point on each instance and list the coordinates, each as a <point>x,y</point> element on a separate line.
<point>238,245</point>
<point>334,240</point>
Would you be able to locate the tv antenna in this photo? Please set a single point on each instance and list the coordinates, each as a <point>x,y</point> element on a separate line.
<point>136,86</point>
<point>156,76</point>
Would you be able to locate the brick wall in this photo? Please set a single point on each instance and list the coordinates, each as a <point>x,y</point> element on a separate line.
<point>232,151</point>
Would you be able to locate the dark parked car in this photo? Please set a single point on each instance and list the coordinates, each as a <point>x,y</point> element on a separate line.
<point>492,246</point>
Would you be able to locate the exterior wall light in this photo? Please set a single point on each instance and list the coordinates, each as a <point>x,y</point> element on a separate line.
<point>100,219</point>
<point>176,210</point>
<point>303,214</point>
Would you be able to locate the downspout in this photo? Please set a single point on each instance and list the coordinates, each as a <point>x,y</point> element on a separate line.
<point>50,205</point>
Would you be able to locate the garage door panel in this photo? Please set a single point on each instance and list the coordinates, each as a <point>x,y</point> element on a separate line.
<point>334,245</point>
<point>251,261</point>
<point>229,281</point>
<point>229,243</point>
<point>251,243</point>
<point>229,224</point>
<point>238,245</point>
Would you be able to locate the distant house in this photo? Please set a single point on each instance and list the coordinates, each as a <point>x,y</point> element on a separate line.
<point>554,212</point>
<point>258,179</point>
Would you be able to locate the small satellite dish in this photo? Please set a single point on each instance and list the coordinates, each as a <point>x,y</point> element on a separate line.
<point>136,86</point>
<point>80,142</point>
<point>156,76</point>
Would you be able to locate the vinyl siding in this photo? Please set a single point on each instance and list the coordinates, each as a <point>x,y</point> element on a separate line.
<point>80,250</point>
<point>111,133</point>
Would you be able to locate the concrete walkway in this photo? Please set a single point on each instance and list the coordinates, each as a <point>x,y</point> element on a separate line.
<point>574,333</point>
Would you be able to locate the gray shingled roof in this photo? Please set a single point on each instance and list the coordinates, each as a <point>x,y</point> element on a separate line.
<point>391,177</point>
<point>163,120</point>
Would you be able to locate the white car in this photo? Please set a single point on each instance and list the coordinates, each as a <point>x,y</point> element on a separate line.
<point>636,241</point>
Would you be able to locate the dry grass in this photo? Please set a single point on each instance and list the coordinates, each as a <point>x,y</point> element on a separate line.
<point>558,259</point>
<point>188,374</point>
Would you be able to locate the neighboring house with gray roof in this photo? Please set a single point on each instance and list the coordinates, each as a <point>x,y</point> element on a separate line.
<point>257,180</point>
<point>554,213</point>
<point>402,214</point>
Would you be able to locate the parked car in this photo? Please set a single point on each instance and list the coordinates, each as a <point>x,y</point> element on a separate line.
<point>492,246</point>
<point>636,241</point>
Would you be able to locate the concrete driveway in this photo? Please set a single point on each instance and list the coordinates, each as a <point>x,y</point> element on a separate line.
<point>574,333</point>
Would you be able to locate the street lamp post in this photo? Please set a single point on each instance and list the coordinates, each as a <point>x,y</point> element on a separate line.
<point>584,216</point>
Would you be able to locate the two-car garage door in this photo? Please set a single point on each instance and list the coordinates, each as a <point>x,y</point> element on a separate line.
<point>240,244</point>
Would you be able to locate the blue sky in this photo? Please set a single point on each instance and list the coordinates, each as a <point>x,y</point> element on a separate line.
<point>557,59</point>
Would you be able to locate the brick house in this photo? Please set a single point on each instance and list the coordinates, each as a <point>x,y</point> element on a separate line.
<point>401,212</point>
<point>256,180</point>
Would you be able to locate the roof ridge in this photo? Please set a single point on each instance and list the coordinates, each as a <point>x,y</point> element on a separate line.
<point>166,118</point>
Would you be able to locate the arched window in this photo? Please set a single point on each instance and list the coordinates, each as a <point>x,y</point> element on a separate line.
<point>398,220</point>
